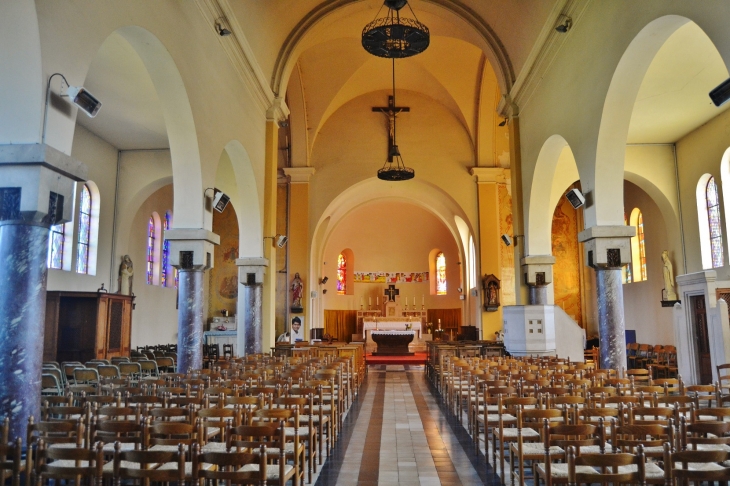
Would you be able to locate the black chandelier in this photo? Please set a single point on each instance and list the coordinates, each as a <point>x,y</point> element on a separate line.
<point>394,169</point>
<point>394,36</point>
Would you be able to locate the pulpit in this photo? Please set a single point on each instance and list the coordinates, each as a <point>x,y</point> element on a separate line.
<point>393,343</point>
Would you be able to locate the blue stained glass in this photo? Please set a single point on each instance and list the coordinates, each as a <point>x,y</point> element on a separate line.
<point>150,249</point>
<point>82,249</point>
<point>57,237</point>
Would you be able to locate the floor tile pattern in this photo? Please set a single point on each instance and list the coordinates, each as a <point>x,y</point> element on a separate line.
<point>397,434</point>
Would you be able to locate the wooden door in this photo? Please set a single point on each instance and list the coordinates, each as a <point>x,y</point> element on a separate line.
<point>702,339</point>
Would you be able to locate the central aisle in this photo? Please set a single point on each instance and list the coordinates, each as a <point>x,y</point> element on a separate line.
<point>396,434</point>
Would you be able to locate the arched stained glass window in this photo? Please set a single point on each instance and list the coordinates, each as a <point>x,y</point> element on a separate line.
<point>642,245</point>
<point>166,252</point>
<point>626,269</point>
<point>82,247</point>
<point>341,274</point>
<point>55,252</point>
<point>150,250</point>
<point>440,274</point>
<point>713,220</point>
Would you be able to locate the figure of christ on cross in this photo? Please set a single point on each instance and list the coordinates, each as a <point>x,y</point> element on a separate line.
<point>391,292</point>
<point>391,111</point>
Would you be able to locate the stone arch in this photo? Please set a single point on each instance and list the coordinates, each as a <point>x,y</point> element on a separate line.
<point>605,181</point>
<point>22,96</point>
<point>293,45</point>
<point>417,192</point>
<point>539,216</point>
<point>245,198</point>
<point>178,115</point>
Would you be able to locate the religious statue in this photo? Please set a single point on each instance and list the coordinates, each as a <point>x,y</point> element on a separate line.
<point>297,288</point>
<point>669,292</point>
<point>126,276</point>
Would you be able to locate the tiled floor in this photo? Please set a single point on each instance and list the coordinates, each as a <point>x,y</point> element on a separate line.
<point>396,434</point>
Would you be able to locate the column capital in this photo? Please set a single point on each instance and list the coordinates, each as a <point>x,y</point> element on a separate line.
<point>538,269</point>
<point>191,248</point>
<point>37,182</point>
<point>278,111</point>
<point>607,246</point>
<point>491,174</point>
<point>251,271</point>
<point>299,174</point>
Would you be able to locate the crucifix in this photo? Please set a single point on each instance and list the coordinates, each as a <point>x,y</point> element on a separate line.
<point>391,111</point>
<point>391,292</point>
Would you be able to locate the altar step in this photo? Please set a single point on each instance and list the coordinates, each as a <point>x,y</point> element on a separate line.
<point>418,359</point>
<point>415,347</point>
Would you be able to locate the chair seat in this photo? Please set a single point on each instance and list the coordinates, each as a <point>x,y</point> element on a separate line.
<point>289,431</point>
<point>700,466</point>
<point>652,470</point>
<point>512,433</point>
<point>560,470</point>
<point>272,470</point>
<point>537,448</point>
<point>109,466</point>
<point>214,447</point>
<point>712,447</point>
<point>123,446</point>
<point>188,467</point>
<point>493,418</point>
<point>166,448</point>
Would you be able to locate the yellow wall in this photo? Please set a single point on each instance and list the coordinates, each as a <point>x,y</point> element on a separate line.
<point>299,241</point>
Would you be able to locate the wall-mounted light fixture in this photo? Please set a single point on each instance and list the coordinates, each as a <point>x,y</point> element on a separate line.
<point>278,240</point>
<point>78,95</point>
<point>576,198</point>
<point>220,27</point>
<point>323,280</point>
<point>566,24</point>
<point>503,122</point>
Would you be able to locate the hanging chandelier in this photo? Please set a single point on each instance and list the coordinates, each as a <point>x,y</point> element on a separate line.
<point>394,36</point>
<point>394,169</point>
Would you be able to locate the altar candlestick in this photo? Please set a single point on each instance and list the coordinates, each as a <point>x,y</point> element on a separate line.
<point>370,301</point>
<point>423,300</point>
<point>414,301</point>
<point>377,301</point>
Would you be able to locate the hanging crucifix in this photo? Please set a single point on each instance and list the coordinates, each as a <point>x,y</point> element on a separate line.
<point>391,111</point>
<point>391,292</point>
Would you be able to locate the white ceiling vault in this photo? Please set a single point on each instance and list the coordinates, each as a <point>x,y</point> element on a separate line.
<point>330,67</point>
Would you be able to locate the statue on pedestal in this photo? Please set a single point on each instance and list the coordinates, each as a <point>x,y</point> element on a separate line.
<point>669,292</point>
<point>126,276</point>
<point>297,288</point>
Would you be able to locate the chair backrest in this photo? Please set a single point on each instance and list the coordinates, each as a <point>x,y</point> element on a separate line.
<point>50,384</point>
<point>77,462</point>
<point>147,458</point>
<point>676,466</point>
<point>609,464</point>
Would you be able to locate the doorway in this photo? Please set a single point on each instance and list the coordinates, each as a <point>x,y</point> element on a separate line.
<point>699,318</point>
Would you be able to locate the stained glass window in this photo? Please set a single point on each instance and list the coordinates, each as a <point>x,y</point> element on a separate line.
<point>165,252</point>
<point>440,274</point>
<point>150,249</point>
<point>626,269</point>
<point>713,219</point>
<point>55,252</point>
<point>642,246</point>
<point>341,274</point>
<point>82,248</point>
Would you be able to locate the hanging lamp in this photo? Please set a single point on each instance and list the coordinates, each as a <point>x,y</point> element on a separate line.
<point>394,169</point>
<point>394,36</point>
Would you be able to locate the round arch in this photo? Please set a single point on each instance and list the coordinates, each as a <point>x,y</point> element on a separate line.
<point>606,179</point>
<point>417,192</point>
<point>539,216</point>
<point>178,115</point>
<point>21,77</point>
<point>246,200</point>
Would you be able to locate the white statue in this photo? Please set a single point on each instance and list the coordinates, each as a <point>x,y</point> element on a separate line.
<point>126,276</point>
<point>669,292</point>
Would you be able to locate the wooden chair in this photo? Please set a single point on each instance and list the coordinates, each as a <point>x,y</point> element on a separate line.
<point>527,444</point>
<point>68,463</point>
<point>235,468</point>
<point>212,423</point>
<point>704,436</point>
<point>614,468</point>
<point>557,438</point>
<point>11,463</point>
<point>695,466</point>
<point>251,438</point>
<point>508,407</point>
<point>151,466</point>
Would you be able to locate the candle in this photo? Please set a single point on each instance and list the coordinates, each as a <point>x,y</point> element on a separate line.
<point>414,301</point>
<point>370,301</point>
<point>360,301</point>
<point>377,300</point>
<point>423,299</point>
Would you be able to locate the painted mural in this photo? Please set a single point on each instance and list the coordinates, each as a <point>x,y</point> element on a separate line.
<point>566,250</point>
<point>223,277</point>
<point>507,256</point>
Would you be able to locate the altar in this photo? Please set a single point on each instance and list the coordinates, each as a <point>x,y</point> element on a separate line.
<point>393,343</point>
<point>390,324</point>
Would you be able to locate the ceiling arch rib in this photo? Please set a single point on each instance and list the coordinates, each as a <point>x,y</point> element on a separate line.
<point>353,14</point>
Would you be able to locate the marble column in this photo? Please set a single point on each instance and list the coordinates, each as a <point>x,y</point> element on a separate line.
<point>36,192</point>
<point>607,249</point>
<point>191,252</point>
<point>24,252</point>
<point>611,327</point>
<point>538,273</point>
<point>190,320</point>
<point>251,272</point>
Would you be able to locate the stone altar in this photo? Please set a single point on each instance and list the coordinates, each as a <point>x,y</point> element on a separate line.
<point>393,343</point>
